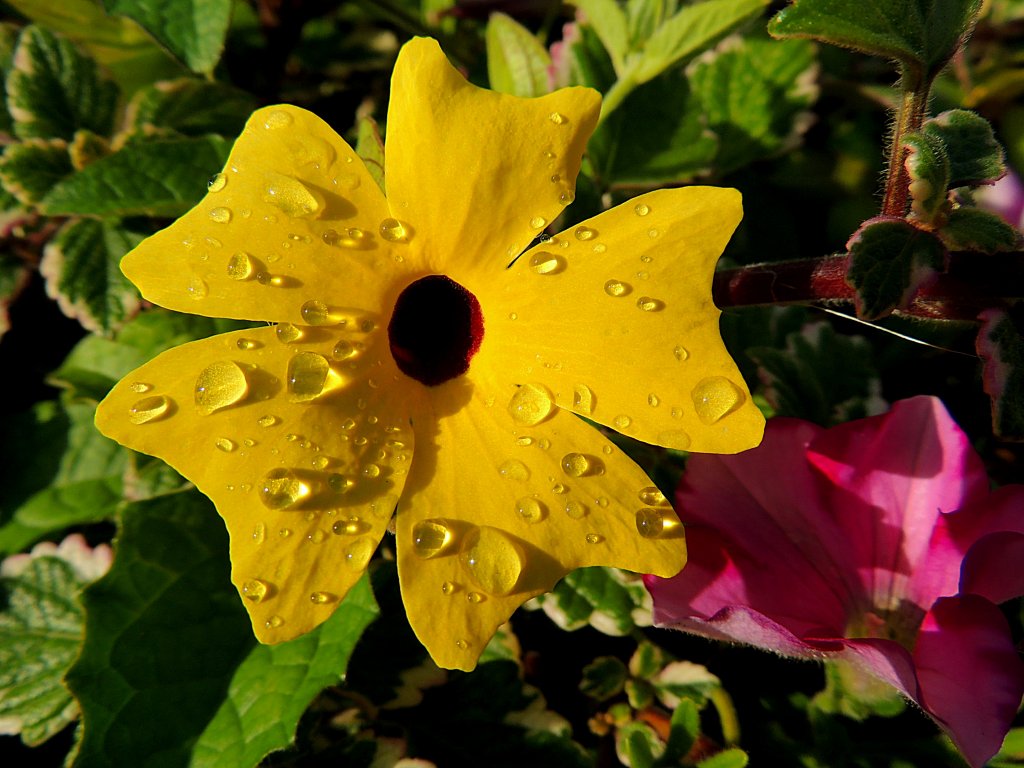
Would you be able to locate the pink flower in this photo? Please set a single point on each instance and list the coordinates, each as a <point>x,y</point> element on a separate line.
<point>877,543</point>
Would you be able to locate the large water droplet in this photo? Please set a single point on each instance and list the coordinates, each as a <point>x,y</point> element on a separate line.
<point>531,404</point>
<point>315,312</point>
<point>513,469</point>
<point>277,119</point>
<point>537,222</point>
<point>575,509</point>
<point>492,560</point>
<point>220,214</point>
<point>255,590</point>
<point>344,350</point>
<point>225,444</point>
<point>217,182</point>
<point>431,537</point>
<point>652,497</point>
<point>622,421</point>
<point>219,385</point>
<point>288,333</point>
<point>149,409</point>
<point>291,196</point>
<point>273,622</point>
<point>582,399</point>
<point>319,598</point>
<point>584,233</point>
<point>359,553</point>
<point>351,527</point>
<point>240,266</point>
<point>307,376</point>
<point>617,288</point>
<point>651,522</point>
<point>715,397</point>
<point>641,209</point>
<point>447,588</point>
<point>340,483</point>
<point>283,489</point>
<point>393,230</point>
<point>530,509</point>
<point>581,465</point>
<point>267,421</point>
<point>545,263</point>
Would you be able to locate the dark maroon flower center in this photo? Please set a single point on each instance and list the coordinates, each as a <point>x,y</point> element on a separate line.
<point>435,330</point>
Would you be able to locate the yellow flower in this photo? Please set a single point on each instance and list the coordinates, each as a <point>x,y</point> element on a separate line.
<point>412,366</point>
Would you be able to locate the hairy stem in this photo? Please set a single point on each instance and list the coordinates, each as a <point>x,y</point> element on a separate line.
<point>909,118</point>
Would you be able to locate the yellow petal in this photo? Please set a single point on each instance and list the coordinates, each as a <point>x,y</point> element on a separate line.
<point>496,511</point>
<point>615,317</point>
<point>294,216</point>
<point>304,455</point>
<point>480,173</point>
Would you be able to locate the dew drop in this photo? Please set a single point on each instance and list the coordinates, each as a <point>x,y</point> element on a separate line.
<point>531,404</point>
<point>277,119</point>
<point>492,559</point>
<point>392,230</point>
<point>617,288</point>
<point>320,462</point>
<point>530,509</point>
<point>715,397</point>
<point>315,537</point>
<point>220,385</point>
<point>600,247</point>
<point>558,118</point>
<point>240,266</point>
<point>537,222</point>
<point>641,209</point>
<point>216,183</point>
<point>524,440</point>
<point>371,470</point>
<point>339,483</point>
<point>681,353</point>
<point>288,333</point>
<point>653,400</point>
<point>447,588</point>
<point>647,304</point>
<point>220,214</point>
<point>344,350</point>
<point>284,533</point>
<point>622,421</point>
<point>351,527</point>
<point>579,465</point>
<point>359,553</point>
<point>384,506</point>
<point>558,488</point>
<point>267,421</point>
<point>575,510</point>
<point>317,313</point>
<point>307,376</point>
<point>247,344</point>
<point>601,501</point>
<point>513,469</point>
<point>149,409</point>
<point>607,450</point>
<point>582,399</point>
<point>319,598</point>
<point>431,537</point>
<point>291,196</point>
<point>273,622</point>
<point>566,197</point>
<point>283,489</point>
<point>584,233</point>
<point>593,538</point>
<point>139,387</point>
<point>225,445</point>
<point>545,263</point>
<point>543,443</point>
<point>259,533</point>
<point>462,645</point>
<point>197,288</point>
<point>650,522</point>
<point>475,598</point>
<point>255,590</point>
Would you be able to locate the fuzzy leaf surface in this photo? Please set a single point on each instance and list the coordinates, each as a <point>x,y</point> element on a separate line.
<point>191,107</point>
<point>928,168</point>
<point>975,156</point>
<point>29,169</point>
<point>612,601</point>
<point>972,229</point>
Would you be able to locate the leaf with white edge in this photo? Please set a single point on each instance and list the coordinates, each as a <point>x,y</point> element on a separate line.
<point>684,728</point>
<point>1000,345</point>
<point>693,30</point>
<point>370,148</point>
<point>8,42</point>
<point>609,22</point>
<point>86,148</point>
<point>41,634</point>
<point>30,169</point>
<point>889,260</point>
<point>64,473</point>
<point>191,107</point>
<point>638,746</point>
<point>80,266</point>
<point>603,678</point>
<point>53,90</point>
<point>972,229</point>
<point>921,34</point>
<point>192,30</point>
<point>727,758</point>
<point>516,61</point>
<point>170,665</point>
<point>118,44</point>
<point>14,276</point>
<point>684,680</point>
<point>612,601</point>
<point>975,155</point>
<point>146,178</point>
<point>97,363</point>
<point>927,167</point>
<point>755,95</point>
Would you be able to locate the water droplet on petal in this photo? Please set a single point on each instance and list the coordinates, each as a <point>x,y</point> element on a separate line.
<point>575,510</point>
<point>240,266</point>
<point>220,214</point>
<point>339,483</point>
<point>197,287</point>
<point>715,397</point>
<point>307,376</point>
<point>641,209</point>
<point>531,404</point>
<point>558,118</point>
<point>544,263</point>
<point>600,247</point>
<point>149,409</point>
<point>462,645</point>
<point>359,553</point>
<point>267,421</point>
<point>216,183</point>
<point>317,313</point>
<point>514,469</point>
<point>255,590</point>
<point>288,333</point>
<point>259,533</point>
<point>530,509</point>
<point>248,344</point>
<point>219,385</point>
<point>653,400</point>
<point>651,523</point>
<point>226,445</point>
<point>580,465</point>
<point>622,421</point>
<point>371,470</point>
<point>674,438</point>
<point>291,196</point>
<point>393,230</point>
<point>431,537</point>
<point>558,488</point>
<point>584,233</point>
<point>566,197</point>
<point>140,387</point>
<point>537,222</point>
<point>492,559</point>
<point>277,119</point>
<point>593,538</point>
<point>319,598</point>
<point>344,350</point>
<point>524,440</point>
<point>681,353</point>
<point>582,399</point>
<point>647,304</point>
<point>617,288</point>
<point>283,489</point>
<point>315,537</point>
<point>447,588</point>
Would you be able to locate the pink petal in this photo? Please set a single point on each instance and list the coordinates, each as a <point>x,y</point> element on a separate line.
<point>993,567</point>
<point>904,468</point>
<point>970,675</point>
<point>762,543</point>
<point>886,660</point>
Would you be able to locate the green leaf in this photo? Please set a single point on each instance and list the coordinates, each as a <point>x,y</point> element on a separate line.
<point>53,90</point>
<point>928,168</point>
<point>370,148</point>
<point>191,107</point>
<point>645,16</point>
<point>692,31</point>
<point>29,169</point>
<point>604,678</point>
<point>638,745</point>
<point>683,730</point>
<point>14,275</point>
<point>151,178</point>
<point>1001,349</point>
<point>972,229</point>
<point>975,156</point>
<point>609,22</point>
<point>851,693</point>
<point>613,602</point>
<point>116,43</point>
<point>684,680</point>
<point>819,376</point>
<point>170,666</point>
<point>921,34</point>
<point>889,260</point>
<point>64,473</point>
<point>8,43</point>
<point>80,265</point>
<point>86,148</point>
<point>755,95</point>
<point>516,61</point>
<point>97,363</point>
<point>192,30</point>
<point>727,758</point>
<point>40,636</point>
